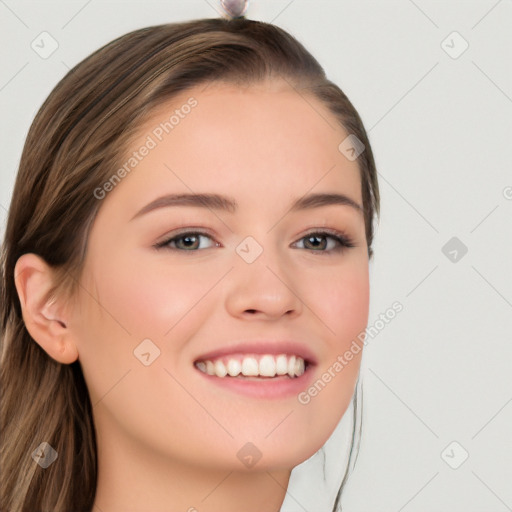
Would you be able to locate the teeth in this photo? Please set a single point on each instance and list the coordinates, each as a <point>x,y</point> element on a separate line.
<point>220,369</point>
<point>253,366</point>
<point>281,365</point>
<point>291,366</point>
<point>300,366</point>
<point>267,366</point>
<point>250,367</point>
<point>234,367</point>
<point>210,368</point>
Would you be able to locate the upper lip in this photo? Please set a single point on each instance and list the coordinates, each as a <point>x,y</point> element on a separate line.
<point>262,347</point>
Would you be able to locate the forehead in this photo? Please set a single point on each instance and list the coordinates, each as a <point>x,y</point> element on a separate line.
<point>264,138</point>
<point>273,109</point>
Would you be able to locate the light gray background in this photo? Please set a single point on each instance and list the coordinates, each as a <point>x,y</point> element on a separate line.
<point>440,128</point>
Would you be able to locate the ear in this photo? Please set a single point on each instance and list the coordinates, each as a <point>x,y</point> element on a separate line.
<point>46,320</point>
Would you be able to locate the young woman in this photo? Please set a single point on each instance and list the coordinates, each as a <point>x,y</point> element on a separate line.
<point>184,275</point>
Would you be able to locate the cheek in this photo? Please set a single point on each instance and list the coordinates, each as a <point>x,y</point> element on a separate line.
<point>341,300</point>
<point>122,304</point>
<point>162,301</point>
<point>155,301</point>
<point>148,299</point>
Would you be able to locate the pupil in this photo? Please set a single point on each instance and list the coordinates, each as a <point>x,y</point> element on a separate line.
<point>316,238</point>
<point>188,239</point>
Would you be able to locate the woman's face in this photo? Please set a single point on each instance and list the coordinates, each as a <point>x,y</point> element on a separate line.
<point>250,280</point>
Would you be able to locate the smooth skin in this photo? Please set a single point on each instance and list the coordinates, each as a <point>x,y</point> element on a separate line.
<point>167,439</point>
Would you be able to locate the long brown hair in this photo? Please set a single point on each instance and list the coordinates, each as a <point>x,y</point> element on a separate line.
<point>77,138</point>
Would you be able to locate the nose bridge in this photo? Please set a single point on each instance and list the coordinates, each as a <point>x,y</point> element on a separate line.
<point>259,252</point>
<point>262,278</point>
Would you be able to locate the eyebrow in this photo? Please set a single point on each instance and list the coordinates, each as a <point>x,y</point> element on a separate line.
<point>228,204</point>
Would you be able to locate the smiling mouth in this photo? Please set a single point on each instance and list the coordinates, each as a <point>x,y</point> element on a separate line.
<point>255,366</point>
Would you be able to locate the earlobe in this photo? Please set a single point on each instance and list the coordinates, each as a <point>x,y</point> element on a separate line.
<point>44,319</point>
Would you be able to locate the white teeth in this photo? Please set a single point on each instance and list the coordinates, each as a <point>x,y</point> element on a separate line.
<point>299,366</point>
<point>267,366</point>
<point>281,365</point>
<point>249,366</point>
<point>234,367</point>
<point>210,368</point>
<point>220,369</point>
<point>291,366</point>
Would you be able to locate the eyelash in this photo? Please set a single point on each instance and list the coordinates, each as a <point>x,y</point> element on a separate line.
<point>343,240</point>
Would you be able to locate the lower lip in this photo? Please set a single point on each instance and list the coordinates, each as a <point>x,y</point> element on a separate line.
<point>266,388</point>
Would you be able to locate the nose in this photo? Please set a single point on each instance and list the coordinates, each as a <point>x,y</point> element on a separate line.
<point>263,289</point>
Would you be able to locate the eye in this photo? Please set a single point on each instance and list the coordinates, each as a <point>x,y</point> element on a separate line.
<point>190,241</point>
<point>341,241</point>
